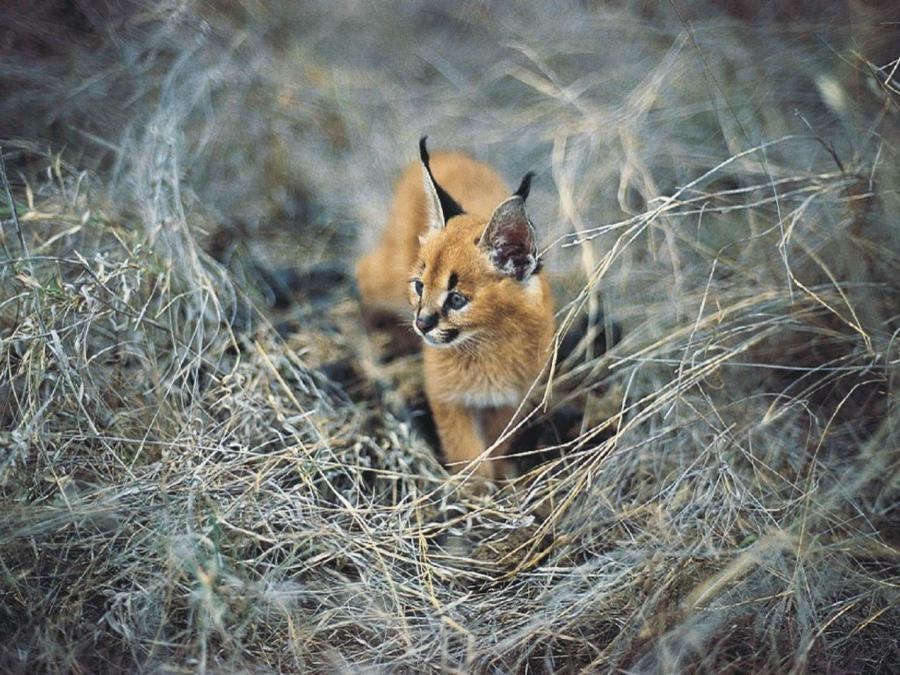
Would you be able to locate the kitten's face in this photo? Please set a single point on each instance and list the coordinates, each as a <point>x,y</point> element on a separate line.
<point>472,273</point>
<point>452,284</point>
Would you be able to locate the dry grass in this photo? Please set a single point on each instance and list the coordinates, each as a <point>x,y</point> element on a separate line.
<point>186,488</point>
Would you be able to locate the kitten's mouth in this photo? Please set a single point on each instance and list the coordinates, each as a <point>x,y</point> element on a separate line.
<point>441,338</point>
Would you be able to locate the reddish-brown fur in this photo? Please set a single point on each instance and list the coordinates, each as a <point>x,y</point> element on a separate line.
<point>475,381</point>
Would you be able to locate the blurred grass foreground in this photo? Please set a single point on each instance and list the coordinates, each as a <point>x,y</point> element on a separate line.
<point>206,464</point>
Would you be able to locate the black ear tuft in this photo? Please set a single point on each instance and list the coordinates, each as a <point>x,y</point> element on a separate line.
<point>449,206</point>
<point>525,186</point>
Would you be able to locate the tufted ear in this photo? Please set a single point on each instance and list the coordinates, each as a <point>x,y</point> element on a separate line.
<point>525,186</point>
<point>440,206</point>
<point>509,238</point>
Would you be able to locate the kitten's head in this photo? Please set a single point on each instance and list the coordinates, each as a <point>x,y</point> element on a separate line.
<point>471,274</point>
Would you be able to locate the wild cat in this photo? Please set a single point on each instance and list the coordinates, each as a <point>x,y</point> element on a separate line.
<point>461,250</point>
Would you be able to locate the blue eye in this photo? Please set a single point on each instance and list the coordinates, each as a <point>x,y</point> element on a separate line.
<point>418,286</point>
<point>456,300</point>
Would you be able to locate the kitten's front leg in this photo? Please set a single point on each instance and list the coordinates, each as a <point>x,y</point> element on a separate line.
<point>460,437</point>
<point>492,423</point>
<point>465,433</point>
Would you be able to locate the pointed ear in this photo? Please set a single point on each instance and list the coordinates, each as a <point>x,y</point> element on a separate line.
<point>440,206</point>
<point>509,239</point>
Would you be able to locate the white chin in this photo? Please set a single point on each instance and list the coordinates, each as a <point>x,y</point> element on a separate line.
<point>431,342</point>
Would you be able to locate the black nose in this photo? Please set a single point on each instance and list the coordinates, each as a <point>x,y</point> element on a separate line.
<point>426,323</point>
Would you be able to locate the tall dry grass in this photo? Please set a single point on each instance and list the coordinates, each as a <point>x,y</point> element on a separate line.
<point>186,489</point>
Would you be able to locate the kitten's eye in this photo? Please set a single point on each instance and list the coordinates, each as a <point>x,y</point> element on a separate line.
<point>418,286</point>
<point>456,300</point>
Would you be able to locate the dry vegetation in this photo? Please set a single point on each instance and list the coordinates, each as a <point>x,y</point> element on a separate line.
<point>204,466</point>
